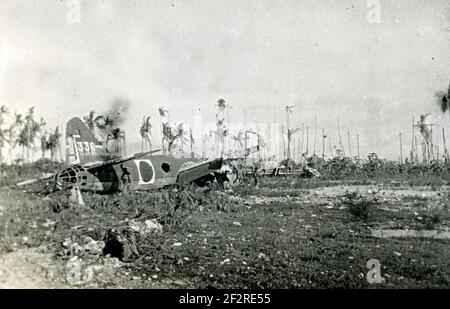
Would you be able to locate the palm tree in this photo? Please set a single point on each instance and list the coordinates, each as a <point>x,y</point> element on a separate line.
<point>3,141</point>
<point>3,112</point>
<point>29,120</point>
<point>163,113</point>
<point>109,122</point>
<point>93,121</point>
<point>23,140</point>
<point>168,136</point>
<point>220,124</point>
<point>288,111</point>
<point>173,133</point>
<point>181,135</point>
<point>191,142</point>
<point>105,125</point>
<point>145,131</point>
<point>225,133</point>
<point>116,135</point>
<point>290,133</point>
<point>34,131</point>
<point>239,139</point>
<point>53,143</point>
<point>221,106</point>
<point>44,144</point>
<point>17,123</point>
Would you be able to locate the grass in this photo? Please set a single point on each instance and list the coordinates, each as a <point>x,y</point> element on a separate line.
<point>228,241</point>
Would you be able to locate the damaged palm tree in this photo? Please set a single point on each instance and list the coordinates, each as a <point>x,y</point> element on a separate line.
<point>239,140</point>
<point>425,131</point>
<point>288,111</point>
<point>221,128</point>
<point>116,135</point>
<point>173,133</point>
<point>3,139</point>
<point>220,124</point>
<point>145,132</point>
<point>164,120</point>
<point>93,121</point>
<point>182,137</point>
<point>290,133</point>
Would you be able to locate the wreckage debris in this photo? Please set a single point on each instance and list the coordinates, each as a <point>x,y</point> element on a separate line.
<point>89,247</point>
<point>309,172</point>
<point>146,227</point>
<point>122,243</point>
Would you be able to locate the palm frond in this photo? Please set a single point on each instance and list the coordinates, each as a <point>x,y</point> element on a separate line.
<point>163,112</point>
<point>221,104</point>
<point>289,108</point>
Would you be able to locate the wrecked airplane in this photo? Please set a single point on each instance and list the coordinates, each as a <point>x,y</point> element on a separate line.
<point>93,168</point>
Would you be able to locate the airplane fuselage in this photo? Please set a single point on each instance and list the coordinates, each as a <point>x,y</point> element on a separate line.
<point>143,173</point>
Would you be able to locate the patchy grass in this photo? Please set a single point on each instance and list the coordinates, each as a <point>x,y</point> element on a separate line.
<point>225,240</point>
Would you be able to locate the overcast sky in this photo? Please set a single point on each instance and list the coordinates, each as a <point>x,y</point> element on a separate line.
<point>324,56</point>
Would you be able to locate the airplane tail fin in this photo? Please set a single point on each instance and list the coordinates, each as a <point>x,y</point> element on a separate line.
<point>82,145</point>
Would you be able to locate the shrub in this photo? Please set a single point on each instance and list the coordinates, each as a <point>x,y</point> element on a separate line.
<point>360,207</point>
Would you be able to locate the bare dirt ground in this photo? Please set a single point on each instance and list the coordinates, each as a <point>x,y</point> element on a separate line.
<point>278,236</point>
<point>27,269</point>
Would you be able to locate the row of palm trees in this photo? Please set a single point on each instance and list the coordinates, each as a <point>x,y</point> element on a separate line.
<point>172,133</point>
<point>23,131</point>
<point>105,128</point>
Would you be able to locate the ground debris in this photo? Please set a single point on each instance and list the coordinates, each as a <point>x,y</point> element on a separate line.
<point>146,227</point>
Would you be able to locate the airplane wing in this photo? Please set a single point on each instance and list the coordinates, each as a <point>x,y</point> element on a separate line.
<point>91,165</point>
<point>191,171</point>
<point>34,180</point>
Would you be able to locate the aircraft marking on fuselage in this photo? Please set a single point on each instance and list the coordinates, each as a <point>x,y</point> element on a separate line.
<point>141,179</point>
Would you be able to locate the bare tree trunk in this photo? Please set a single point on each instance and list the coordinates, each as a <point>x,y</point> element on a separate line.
<point>341,146</point>
<point>293,150</point>
<point>307,139</point>
<point>288,138</point>
<point>349,143</point>
<point>417,153</point>
<point>412,141</point>
<point>315,132</point>
<point>357,145</point>
<point>401,149</point>
<point>331,148</point>
<point>301,148</point>
<point>162,134</point>
<point>445,147</point>
<point>323,143</point>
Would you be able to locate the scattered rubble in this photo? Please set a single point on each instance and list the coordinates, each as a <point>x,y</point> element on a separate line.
<point>89,247</point>
<point>146,227</point>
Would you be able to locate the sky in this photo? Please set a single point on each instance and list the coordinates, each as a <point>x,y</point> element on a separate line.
<point>328,58</point>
